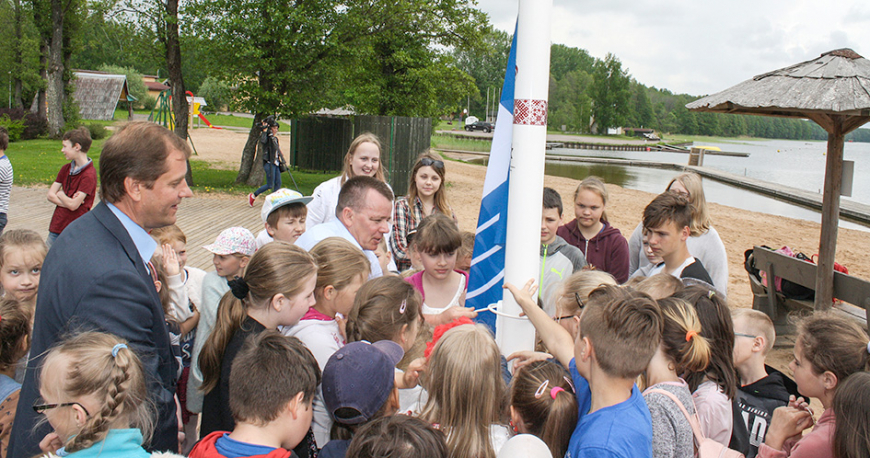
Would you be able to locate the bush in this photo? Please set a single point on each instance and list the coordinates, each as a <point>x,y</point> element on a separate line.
<point>33,127</point>
<point>13,127</point>
<point>216,93</point>
<point>149,102</point>
<point>98,131</point>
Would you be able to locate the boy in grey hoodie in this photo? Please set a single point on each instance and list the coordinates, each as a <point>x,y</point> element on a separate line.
<point>558,259</point>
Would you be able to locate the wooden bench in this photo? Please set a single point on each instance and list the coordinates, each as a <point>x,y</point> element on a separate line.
<point>852,291</point>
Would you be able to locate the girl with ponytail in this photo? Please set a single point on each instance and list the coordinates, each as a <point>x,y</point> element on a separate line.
<point>681,351</point>
<point>276,290</point>
<point>543,403</point>
<point>93,394</point>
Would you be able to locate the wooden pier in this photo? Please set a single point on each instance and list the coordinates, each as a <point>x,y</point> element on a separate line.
<point>850,210</point>
<point>665,148</point>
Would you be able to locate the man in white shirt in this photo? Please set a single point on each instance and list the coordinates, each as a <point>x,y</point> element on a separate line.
<point>363,217</point>
<point>666,221</point>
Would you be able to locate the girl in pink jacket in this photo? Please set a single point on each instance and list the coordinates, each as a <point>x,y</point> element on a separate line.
<point>828,349</point>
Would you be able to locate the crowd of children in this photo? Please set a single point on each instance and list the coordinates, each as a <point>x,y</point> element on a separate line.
<point>288,353</point>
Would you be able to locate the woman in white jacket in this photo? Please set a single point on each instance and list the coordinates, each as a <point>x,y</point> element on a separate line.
<point>362,158</point>
<point>704,242</point>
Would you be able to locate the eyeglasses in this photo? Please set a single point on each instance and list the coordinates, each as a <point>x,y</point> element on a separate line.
<point>430,162</point>
<point>41,408</point>
<point>740,334</point>
<point>580,305</point>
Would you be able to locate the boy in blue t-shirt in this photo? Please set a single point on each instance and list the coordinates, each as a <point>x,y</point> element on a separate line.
<point>620,330</point>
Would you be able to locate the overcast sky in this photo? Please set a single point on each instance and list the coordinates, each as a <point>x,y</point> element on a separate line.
<point>701,47</point>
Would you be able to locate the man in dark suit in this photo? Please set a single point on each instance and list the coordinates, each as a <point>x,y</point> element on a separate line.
<point>96,275</point>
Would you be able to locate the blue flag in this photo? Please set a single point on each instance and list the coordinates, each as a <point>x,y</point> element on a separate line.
<point>487,263</point>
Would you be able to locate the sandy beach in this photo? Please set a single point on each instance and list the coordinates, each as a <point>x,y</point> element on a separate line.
<point>739,229</point>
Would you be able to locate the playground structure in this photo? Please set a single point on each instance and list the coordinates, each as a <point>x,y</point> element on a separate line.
<point>162,113</point>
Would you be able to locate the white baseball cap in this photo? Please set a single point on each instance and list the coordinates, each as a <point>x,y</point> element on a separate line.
<point>281,198</point>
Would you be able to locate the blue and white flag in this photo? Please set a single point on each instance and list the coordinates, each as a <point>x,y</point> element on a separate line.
<point>487,263</point>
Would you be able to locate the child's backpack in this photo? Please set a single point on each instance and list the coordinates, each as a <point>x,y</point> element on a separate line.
<point>704,447</point>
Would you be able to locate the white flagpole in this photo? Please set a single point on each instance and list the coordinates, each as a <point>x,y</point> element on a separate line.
<point>522,250</point>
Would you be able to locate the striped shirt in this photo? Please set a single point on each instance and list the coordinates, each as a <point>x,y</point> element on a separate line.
<point>5,183</point>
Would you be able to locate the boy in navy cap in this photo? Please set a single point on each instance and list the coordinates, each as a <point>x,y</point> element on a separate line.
<point>358,386</point>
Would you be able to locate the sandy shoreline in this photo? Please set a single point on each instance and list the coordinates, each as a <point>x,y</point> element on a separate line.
<point>739,229</point>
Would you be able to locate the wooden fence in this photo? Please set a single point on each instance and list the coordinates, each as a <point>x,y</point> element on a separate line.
<point>319,143</point>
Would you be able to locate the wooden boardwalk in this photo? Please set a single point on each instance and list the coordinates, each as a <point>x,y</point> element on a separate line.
<point>201,218</point>
<point>849,209</point>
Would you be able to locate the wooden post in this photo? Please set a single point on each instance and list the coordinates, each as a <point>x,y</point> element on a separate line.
<point>830,217</point>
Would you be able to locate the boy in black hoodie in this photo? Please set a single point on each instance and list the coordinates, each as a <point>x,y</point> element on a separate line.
<point>762,388</point>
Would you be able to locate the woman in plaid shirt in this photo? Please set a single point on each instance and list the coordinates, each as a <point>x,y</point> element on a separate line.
<point>426,195</point>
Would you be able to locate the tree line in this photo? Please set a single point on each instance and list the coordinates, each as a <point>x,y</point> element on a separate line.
<point>428,58</point>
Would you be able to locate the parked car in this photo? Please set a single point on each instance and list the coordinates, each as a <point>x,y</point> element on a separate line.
<point>480,125</point>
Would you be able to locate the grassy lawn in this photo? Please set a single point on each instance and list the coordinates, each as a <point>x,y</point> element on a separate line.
<point>443,125</point>
<point>36,163</point>
<point>442,142</point>
<point>232,121</point>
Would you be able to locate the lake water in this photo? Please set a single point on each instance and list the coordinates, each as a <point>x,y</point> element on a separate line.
<point>799,164</point>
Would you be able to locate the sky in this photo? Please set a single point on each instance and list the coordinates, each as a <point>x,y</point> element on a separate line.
<point>701,47</point>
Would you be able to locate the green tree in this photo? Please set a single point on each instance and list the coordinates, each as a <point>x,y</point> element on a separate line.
<point>400,74</point>
<point>217,93</point>
<point>286,57</point>
<point>564,60</point>
<point>641,107</point>
<point>20,54</point>
<point>486,64</point>
<point>134,79</point>
<point>116,37</point>
<point>570,105</point>
<point>610,93</point>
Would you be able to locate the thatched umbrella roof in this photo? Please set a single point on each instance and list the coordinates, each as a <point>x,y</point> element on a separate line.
<point>832,90</point>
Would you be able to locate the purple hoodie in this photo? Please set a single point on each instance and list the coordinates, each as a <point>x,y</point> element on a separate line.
<point>607,251</point>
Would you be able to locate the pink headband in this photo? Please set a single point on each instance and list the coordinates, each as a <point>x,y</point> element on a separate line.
<point>555,391</point>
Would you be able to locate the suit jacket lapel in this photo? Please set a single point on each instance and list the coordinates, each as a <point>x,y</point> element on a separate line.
<point>108,219</point>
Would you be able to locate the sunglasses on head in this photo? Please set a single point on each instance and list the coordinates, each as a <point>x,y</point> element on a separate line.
<point>433,163</point>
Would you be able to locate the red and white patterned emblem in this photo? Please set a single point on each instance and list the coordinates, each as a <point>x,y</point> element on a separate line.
<point>530,112</point>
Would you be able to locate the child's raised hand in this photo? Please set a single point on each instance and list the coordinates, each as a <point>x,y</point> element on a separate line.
<point>50,443</point>
<point>525,296</point>
<point>524,358</point>
<point>412,375</point>
<point>170,261</point>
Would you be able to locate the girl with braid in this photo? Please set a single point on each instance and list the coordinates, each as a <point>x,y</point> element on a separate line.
<point>93,395</point>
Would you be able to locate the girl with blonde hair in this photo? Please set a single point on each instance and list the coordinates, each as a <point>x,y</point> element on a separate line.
<point>341,270</point>
<point>266,297</point>
<point>363,158</point>
<point>467,392</point>
<point>603,245</point>
<point>426,195</point>
<point>94,397</point>
<point>573,293</point>
<point>704,242</point>
<point>682,350</point>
